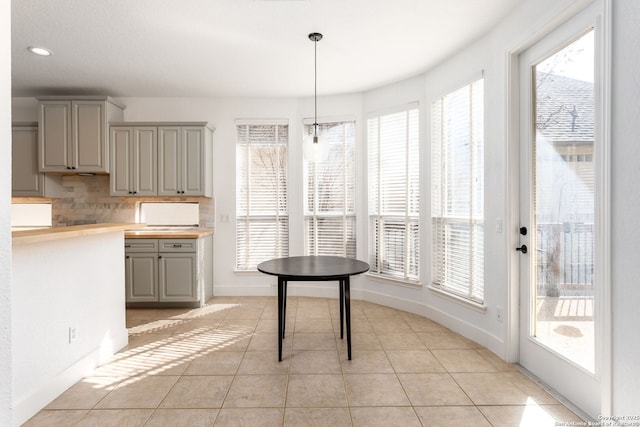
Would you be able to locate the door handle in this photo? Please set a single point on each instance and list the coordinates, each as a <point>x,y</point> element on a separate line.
<point>522,249</point>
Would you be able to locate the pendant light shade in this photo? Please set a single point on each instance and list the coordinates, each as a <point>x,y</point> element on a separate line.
<point>313,149</point>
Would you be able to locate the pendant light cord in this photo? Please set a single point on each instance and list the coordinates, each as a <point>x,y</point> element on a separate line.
<point>315,88</point>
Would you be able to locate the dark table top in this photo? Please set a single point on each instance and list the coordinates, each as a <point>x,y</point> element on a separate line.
<point>313,267</point>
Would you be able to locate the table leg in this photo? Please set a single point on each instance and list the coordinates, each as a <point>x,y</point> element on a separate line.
<point>284,307</point>
<point>347,306</point>
<point>281,316</point>
<point>341,286</point>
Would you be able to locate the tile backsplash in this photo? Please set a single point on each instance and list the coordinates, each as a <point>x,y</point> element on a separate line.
<point>86,200</point>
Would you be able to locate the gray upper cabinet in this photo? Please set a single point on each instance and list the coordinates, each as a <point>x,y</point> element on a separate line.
<point>184,158</point>
<point>134,156</point>
<point>26,180</point>
<point>169,145</point>
<point>73,133</point>
<point>161,159</point>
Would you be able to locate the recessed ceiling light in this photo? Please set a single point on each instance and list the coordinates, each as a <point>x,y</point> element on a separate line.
<point>41,51</point>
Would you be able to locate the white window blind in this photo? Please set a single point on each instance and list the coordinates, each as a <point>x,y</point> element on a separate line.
<point>330,217</point>
<point>394,194</point>
<point>457,197</point>
<point>262,223</point>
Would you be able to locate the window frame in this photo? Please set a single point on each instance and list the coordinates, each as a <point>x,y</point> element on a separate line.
<point>349,249</point>
<point>410,219</point>
<point>475,292</point>
<point>279,218</point>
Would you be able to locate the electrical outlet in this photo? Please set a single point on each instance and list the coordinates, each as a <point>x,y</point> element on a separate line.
<point>73,334</point>
<point>499,314</point>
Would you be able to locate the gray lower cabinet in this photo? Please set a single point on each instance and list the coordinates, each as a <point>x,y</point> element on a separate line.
<point>177,279</point>
<point>166,271</point>
<point>141,272</point>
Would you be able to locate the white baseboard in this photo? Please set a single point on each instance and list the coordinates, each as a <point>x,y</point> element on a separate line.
<point>468,330</point>
<point>462,327</point>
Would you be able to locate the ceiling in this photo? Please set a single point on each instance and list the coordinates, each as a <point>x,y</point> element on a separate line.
<point>204,48</point>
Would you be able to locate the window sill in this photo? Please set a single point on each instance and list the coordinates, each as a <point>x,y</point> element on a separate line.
<point>247,273</point>
<point>392,281</point>
<point>479,307</point>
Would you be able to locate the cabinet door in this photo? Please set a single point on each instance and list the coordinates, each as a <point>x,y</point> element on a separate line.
<point>55,136</point>
<point>121,141</point>
<point>169,161</point>
<point>89,149</point>
<point>177,277</point>
<point>141,277</point>
<point>133,161</point>
<point>193,158</point>
<point>26,181</point>
<point>145,155</point>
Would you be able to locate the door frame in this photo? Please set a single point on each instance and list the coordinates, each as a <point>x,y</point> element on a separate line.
<point>555,18</point>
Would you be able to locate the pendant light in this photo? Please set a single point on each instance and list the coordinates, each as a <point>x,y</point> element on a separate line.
<point>314,150</point>
<point>315,38</point>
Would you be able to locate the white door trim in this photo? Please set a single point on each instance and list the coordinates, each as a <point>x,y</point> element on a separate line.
<point>603,207</point>
<point>604,358</point>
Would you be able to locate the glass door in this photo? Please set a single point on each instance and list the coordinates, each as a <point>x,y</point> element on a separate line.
<point>558,215</point>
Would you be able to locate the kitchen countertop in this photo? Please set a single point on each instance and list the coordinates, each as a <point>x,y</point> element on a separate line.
<point>57,233</point>
<point>168,233</point>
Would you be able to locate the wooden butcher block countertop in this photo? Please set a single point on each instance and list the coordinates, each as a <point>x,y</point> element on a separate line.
<point>57,233</point>
<point>168,233</point>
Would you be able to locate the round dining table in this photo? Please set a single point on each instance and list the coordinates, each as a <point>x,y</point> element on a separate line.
<point>314,268</point>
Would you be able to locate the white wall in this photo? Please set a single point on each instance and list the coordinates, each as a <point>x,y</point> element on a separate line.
<point>5,205</point>
<point>625,207</point>
<point>68,283</point>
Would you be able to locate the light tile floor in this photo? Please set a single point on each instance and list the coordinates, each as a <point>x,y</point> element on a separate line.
<point>217,366</point>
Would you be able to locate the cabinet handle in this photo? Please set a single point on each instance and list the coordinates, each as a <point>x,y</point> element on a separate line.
<point>69,167</point>
<point>177,245</point>
<point>127,257</point>
<point>159,257</point>
<point>127,246</point>
<point>73,167</point>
